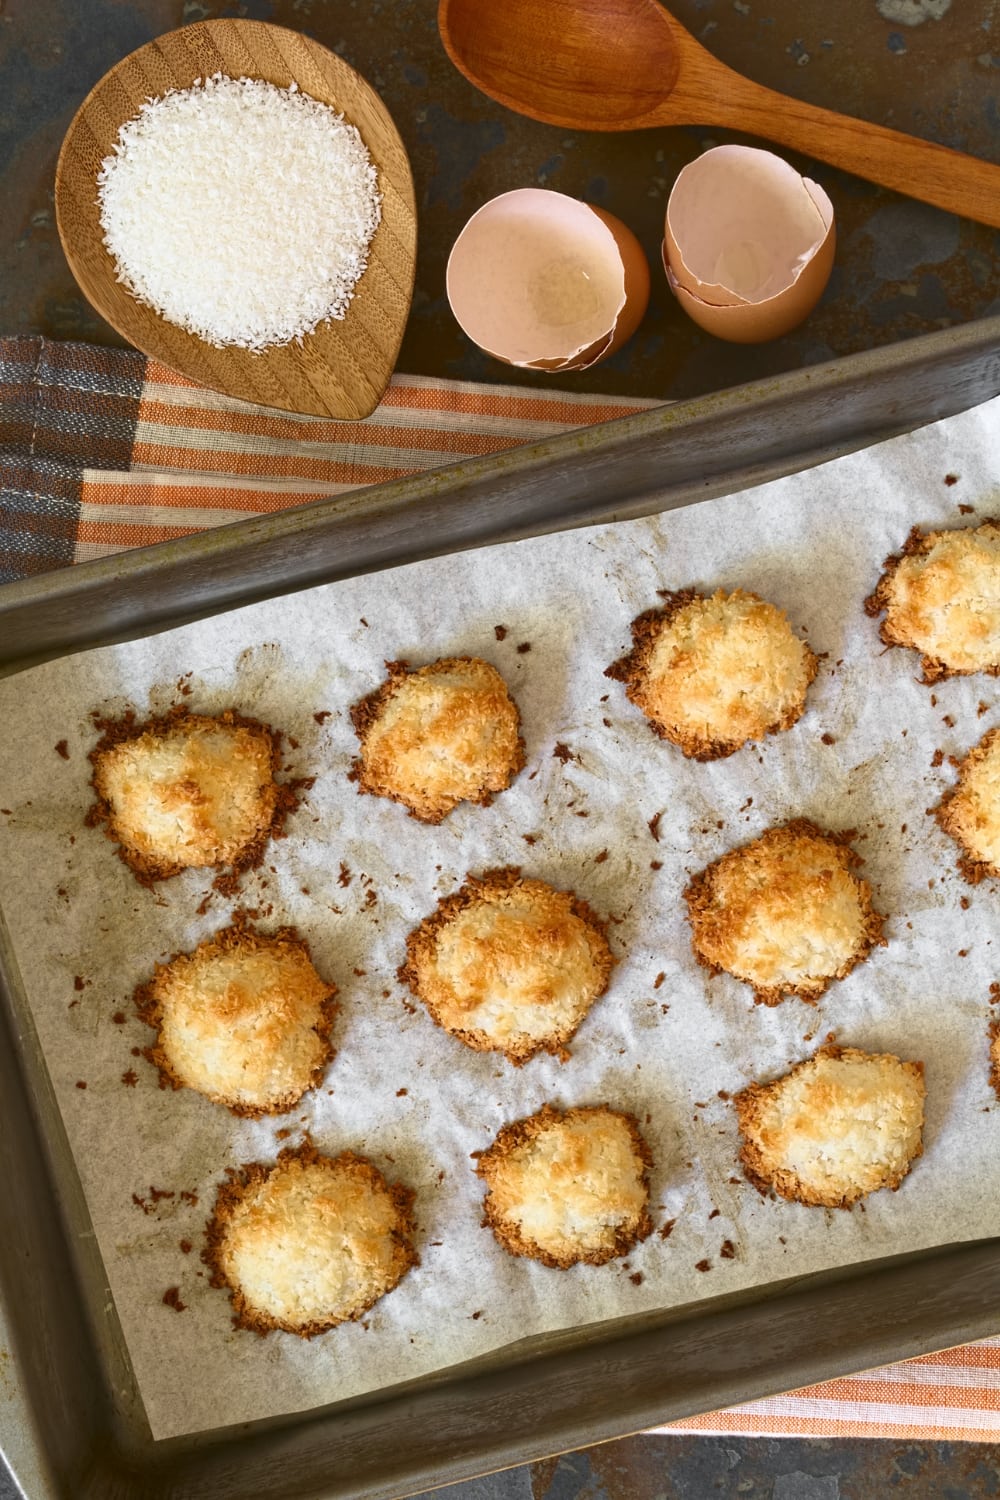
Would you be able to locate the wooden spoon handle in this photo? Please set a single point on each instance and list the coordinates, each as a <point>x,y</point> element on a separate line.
<point>934,174</point>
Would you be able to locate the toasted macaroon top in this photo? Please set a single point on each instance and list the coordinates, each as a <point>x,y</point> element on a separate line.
<point>711,673</point>
<point>785,912</point>
<point>568,1187</point>
<point>970,813</point>
<point>941,597</point>
<point>838,1126</point>
<point>309,1242</point>
<point>510,964</point>
<point>245,1019</point>
<point>439,735</point>
<point>188,790</point>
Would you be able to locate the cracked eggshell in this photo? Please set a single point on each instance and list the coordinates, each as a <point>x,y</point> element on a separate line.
<point>543,281</point>
<point>748,245</point>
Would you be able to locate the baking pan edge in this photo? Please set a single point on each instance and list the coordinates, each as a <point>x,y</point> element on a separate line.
<point>92,1440</point>
<point>654,460</point>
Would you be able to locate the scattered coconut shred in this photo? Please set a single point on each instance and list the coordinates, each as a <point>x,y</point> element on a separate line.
<point>241,211</point>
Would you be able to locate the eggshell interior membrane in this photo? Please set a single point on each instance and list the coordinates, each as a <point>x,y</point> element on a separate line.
<point>540,279</point>
<point>742,226</point>
<point>749,244</point>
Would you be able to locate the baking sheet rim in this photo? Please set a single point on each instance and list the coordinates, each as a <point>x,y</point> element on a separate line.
<point>22,1413</point>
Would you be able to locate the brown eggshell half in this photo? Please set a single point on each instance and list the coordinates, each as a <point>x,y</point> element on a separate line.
<point>757,323</point>
<point>635,267</point>
<point>545,282</point>
<point>748,245</point>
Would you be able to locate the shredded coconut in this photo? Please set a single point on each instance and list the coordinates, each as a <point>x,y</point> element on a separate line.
<point>241,211</point>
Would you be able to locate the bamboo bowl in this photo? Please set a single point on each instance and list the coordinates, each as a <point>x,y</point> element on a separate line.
<point>341,369</point>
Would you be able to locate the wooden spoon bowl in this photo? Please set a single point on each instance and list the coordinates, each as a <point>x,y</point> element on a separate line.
<point>343,367</point>
<point>628,65</point>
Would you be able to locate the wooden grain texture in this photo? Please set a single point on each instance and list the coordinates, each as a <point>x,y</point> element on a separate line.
<point>340,370</point>
<point>627,65</point>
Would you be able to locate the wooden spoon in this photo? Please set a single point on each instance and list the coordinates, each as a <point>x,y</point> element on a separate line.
<point>627,65</point>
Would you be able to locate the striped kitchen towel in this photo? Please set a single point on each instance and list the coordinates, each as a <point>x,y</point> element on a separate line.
<point>934,1398</point>
<point>102,449</point>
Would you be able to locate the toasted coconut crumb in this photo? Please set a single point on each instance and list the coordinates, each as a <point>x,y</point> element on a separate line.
<point>570,1187</point>
<point>189,791</point>
<point>245,1019</point>
<point>713,672</point>
<point>994,1037</point>
<point>309,1242</point>
<point>437,736</point>
<point>785,913</point>
<point>970,812</point>
<point>840,1125</point>
<point>509,964</point>
<point>941,597</point>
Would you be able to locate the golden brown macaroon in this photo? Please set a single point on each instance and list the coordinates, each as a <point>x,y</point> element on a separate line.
<point>437,736</point>
<point>245,1020</point>
<point>941,597</point>
<point>188,790</point>
<point>712,672</point>
<point>310,1242</point>
<point>840,1125</point>
<point>785,913</point>
<point>509,964</point>
<point>568,1187</point>
<point>970,812</point>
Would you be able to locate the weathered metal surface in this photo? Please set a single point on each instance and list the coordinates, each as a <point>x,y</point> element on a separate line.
<point>689,1468</point>
<point>930,67</point>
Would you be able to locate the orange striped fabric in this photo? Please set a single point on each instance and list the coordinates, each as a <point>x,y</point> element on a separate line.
<point>199,460</point>
<point>953,1395</point>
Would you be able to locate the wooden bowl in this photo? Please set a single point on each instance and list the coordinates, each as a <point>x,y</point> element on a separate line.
<point>340,370</point>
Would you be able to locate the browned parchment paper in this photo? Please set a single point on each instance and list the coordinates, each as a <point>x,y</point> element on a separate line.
<point>356,874</point>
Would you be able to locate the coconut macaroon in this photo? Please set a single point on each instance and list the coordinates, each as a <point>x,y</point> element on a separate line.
<point>245,1020</point>
<point>941,597</point>
<point>712,672</point>
<point>509,964</point>
<point>188,790</point>
<point>568,1187</point>
<point>786,912</point>
<point>437,736</point>
<point>970,812</point>
<point>840,1125</point>
<point>309,1242</point>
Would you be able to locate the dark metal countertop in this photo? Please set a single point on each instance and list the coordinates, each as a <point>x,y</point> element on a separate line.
<point>901,268</point>
<point>929,67</point>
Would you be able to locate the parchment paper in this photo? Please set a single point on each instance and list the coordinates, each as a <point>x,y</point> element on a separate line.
<point>356,874</point>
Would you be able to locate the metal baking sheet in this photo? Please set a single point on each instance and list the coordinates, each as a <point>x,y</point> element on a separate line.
<point>72,1423</point>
